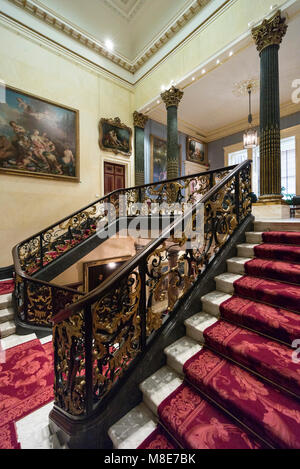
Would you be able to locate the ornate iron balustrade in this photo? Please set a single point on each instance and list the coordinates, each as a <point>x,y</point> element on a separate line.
<point>37,301</point>
<point>100,337</point>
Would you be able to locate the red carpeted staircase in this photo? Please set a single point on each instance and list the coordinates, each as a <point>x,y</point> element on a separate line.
<point>234,381</point>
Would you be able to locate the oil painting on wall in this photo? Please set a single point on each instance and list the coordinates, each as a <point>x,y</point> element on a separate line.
<point>37,137</point>
<point>159,159</point>
<point>196,151</point>
<point>115,136</point>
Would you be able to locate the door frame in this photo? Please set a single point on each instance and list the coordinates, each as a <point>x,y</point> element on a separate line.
<point>120,162</point>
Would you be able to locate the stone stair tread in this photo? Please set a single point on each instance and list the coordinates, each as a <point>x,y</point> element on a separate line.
<point>181,351</point>
<point>7,328</point>
<point>224,282</point>
<point>196,325</point>
<point>159,386</point>
<point>5,301</point>
<point>6,314</point>
<point>211,302</point>
<point>236,265</point>
<point>132,429</point>
<point>14,339</point>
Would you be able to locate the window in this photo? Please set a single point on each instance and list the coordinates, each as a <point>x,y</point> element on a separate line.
<point>288,167</point>
<point>237,157</point>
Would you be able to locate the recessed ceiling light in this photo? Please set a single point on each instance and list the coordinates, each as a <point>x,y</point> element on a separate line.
<point>218,61</point>
<point>203,71</point>
<point>109,45</point>
<point>193,79</point>
<point>158,101</point>
<point>230,53</point>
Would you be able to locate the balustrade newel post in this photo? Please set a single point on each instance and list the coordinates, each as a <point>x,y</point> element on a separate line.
<point>88,350</point>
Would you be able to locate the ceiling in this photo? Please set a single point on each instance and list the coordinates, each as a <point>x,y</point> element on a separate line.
<point>210,105</point>
<point>138,28</point>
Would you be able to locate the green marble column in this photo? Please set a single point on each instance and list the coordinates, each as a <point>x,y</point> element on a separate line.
<point>172,98</point>
<point>268,37</point>
<point>139,122</point>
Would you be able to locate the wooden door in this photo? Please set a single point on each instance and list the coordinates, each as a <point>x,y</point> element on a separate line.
<point>114,177</point>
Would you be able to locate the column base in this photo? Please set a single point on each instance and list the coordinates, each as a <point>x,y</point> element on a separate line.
<point>271,210</point>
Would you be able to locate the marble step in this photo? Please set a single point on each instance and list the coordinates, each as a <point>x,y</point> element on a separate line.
<point>7,328</point>
<point>246,250</point>
<point>158,386</point>
<point>254,237</point>
<point>224,282</point>
<point>6,314</point>
<point>33,430</point>
<point>212,301</point>
<point>196,325</point>
<point>292,224</point>
<point>236,265</point>
<point>5,301</point>
<point>181,351</point>
<point>133,428</point>
<point>14,339</point>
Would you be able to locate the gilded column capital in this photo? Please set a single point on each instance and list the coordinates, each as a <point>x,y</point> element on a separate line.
<point>139,119</point>
<point>270,32</point>
<point>172,97</point>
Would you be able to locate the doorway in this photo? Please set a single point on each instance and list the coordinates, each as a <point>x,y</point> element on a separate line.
<point>114,177</point>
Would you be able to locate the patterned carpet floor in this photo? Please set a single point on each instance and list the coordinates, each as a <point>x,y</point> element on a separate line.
<point>242,390</point>
<point>26,384</point>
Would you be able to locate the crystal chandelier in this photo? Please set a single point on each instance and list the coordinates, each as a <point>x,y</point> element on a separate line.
<point>250,135</point>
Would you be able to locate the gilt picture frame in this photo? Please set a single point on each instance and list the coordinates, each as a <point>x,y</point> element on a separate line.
<point>38,137</point>
<point>196,151</point>
<point>158,159</point>
<point>115,137</point>
<point>93,269</point>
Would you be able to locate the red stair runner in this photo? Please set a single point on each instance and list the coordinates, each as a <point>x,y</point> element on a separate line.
<point>159,439</point>
<point>6,286</point>
<point>247,373</point>
<point>197,424</point>
<point>266,357</point>
<point>270,413</point>
<point>276,322</point>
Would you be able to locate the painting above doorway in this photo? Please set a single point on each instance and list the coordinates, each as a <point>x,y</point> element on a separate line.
<point>37,137</point>
<point>115,136</point>
<point>159,159</point>
<point>96,272</point>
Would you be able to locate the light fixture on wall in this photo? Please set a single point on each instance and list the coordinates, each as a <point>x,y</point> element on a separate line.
<point>250,135</point>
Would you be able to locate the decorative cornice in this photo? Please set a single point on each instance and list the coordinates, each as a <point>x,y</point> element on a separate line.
<point>172,97</point>
<point>139,119</point>
<point>270,32</point>
<point>82,37</point>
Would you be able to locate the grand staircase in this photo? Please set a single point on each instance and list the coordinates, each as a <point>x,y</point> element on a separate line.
<point>231,382</point>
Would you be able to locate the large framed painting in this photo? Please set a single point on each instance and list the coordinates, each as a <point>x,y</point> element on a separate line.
<point>96,272</point>
<point>115,136</point>
<point>196,151</point>
<point>38,137</point>
<point>158,165</point>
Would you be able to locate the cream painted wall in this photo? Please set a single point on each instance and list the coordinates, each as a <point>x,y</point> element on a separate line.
<point>212,38</point>
<point>28,204</point>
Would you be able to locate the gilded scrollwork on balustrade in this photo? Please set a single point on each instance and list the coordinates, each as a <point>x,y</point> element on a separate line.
<point>29,255</point>
<point>245,191</point>
<point>116,333</point>
<point>44,301</point>
<point>69,365</point>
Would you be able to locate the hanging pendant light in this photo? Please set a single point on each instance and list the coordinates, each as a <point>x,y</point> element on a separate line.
<point>250,135</point>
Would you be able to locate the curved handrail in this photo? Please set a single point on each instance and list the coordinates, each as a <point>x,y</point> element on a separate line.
<point>99,337</point>
<point>39,246</point>
<point>131,264</point>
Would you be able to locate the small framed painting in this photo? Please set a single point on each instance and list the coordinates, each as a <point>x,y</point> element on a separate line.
<point>159,159</point>
<point>95,272</point>
<point>38,137</point>
<point>196,151</point>
<point>115,136</point>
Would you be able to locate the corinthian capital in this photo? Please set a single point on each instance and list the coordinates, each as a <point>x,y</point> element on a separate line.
<point>139,119</point>
<point>270,32</point>
<point>172,97</point>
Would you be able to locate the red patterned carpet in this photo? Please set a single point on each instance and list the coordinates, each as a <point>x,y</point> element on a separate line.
<point>242,390</point>
<point>6,286</point>
<point>26,384</point>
